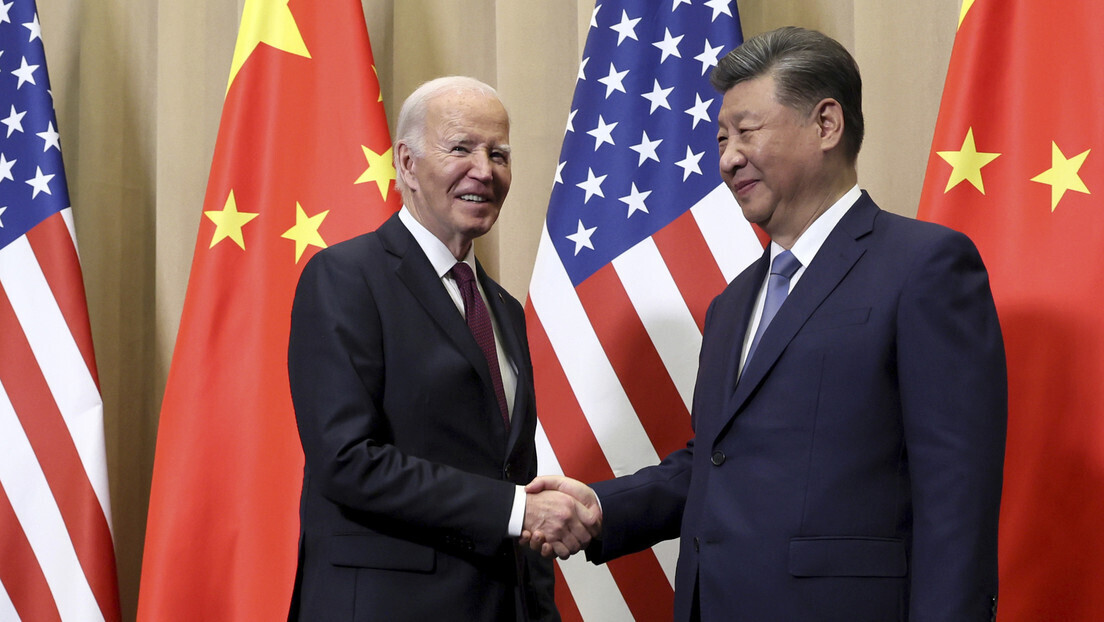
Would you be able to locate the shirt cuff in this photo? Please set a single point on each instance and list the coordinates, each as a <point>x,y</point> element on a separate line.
<point>517,514</point>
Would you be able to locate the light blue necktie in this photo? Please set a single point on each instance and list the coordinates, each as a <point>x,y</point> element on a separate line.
<point>783,268</point>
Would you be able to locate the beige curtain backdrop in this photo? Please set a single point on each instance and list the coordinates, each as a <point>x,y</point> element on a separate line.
<point>138,86</point>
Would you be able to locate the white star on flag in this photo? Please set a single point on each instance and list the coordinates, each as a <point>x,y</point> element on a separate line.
<point>614,81</point>
<point>635,201</point>
<point>689,164</point>
<point>646,148</point>
<point>581,238</point>
<point>592,186</point>
<point>6,168</point>
<point>700,110</point>
<point>14,121</point>
<point>719,7</point>
<point>582,69</point>
<point>658,97</point>
<point>51,138</point>
<point>603,133</point>
<point>36,30</point>
<point>40,182</point>
<point>25,73</point>
<point>626,29</point>
<point>708,57</point>
<point>669,45</point>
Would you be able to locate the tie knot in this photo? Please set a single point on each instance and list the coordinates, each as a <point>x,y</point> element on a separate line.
<point>785,264</point>
<point>462,272</point>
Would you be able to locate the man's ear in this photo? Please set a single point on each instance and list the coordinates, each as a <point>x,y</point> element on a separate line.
<point>828,116</point>
<point>407,163</point>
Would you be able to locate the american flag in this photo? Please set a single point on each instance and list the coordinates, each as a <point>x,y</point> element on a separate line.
<point>57,559</point>
<point>640,236</point>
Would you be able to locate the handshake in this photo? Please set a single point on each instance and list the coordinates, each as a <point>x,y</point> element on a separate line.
<point>562,515</point>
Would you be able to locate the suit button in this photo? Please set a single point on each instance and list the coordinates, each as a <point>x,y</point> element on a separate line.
<point>697,545</point>
<point>507,472</point>
<point>718,458</point>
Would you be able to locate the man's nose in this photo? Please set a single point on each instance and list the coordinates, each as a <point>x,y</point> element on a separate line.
<point>481,165</point>
<point>732,158</point>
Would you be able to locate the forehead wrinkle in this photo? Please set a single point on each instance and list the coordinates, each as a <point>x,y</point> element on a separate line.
<point>453,126</point>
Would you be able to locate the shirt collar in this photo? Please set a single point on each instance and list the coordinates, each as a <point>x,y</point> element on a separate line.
<point>435,250</point>
<point>806,246</point>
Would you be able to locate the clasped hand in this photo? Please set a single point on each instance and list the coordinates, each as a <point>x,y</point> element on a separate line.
<point>562,515</point>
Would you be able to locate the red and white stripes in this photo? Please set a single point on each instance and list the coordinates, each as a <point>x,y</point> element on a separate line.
<point>615,362</point>
<point>58,555</point>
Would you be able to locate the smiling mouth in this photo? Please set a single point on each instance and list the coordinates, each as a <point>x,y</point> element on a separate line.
<point>475,198</point>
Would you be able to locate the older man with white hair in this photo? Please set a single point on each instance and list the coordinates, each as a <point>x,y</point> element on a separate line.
<point>413,391</point>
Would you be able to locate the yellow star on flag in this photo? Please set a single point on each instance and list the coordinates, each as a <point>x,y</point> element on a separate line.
<point>967,163</point>
<point>966,4</point>
<point>1062,175</point>
<point>229,222</point>
<point>381,169</point>
<point>266,21</point>
<point>305,231</point>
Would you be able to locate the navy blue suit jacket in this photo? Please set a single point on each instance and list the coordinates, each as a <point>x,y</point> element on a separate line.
<point>854,471</point>
<point>410,474</point>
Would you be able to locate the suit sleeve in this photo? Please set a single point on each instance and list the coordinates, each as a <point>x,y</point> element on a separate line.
<point>642,509</point>
<point>337,373</point>
<point>954,404</point>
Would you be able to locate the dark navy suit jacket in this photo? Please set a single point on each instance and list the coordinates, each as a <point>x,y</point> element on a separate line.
<point>854,471</point>
<point>410,473</point>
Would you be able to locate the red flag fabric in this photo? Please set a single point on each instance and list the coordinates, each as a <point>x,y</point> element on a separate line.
<point>1016,165</point>
<point>640,236</point>
<point>57,559</point>
<point>302,160</point>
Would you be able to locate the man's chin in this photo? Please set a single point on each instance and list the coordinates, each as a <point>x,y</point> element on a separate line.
<point>477,228</point>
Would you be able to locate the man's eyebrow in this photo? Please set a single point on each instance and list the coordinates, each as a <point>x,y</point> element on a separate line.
<point>467,141</point>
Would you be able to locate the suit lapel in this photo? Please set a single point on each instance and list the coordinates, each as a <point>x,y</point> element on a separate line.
<point>418,275</point>
<point>833,261</point>
<point>745,306</point>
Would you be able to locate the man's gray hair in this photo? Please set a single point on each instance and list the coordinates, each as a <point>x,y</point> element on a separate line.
<point>411,127</point>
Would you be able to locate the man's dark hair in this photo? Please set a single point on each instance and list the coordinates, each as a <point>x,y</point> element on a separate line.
<point>807,66</point>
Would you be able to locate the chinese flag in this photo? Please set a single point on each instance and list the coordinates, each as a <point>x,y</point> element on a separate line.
<point>1017,163</point>
<point>302,160</point>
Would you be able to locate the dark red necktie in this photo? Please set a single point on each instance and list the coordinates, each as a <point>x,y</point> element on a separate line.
<point>479,321</point>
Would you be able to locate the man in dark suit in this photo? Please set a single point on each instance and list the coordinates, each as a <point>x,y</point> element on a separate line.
<point>413,392</point>
<point>847,458</point>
